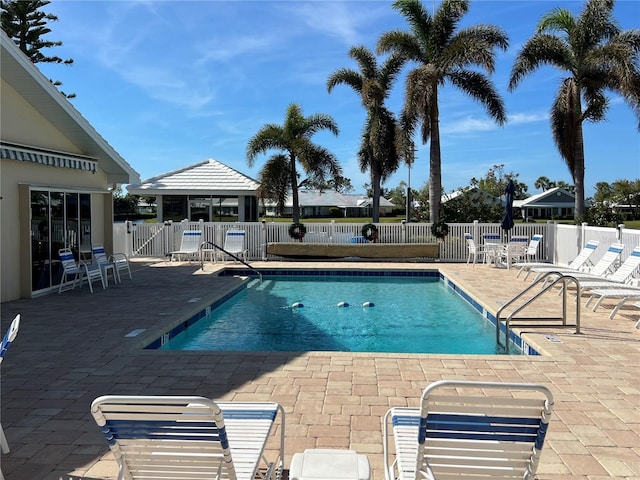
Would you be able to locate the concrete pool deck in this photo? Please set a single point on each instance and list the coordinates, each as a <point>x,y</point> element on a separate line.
<point>72,348</point>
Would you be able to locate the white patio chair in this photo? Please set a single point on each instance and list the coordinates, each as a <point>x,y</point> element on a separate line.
<point>234,243</point>
<point>78,270</point>
<point>469,430</point>
<point>189,437</point>
<point>8,338</point>
<point>475,251</point>
<point>100,258</point>
<point>513,251</point>
<point>121,262</point>
<point>189,246</point>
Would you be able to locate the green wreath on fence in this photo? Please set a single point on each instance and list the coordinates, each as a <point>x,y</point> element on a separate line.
<point>440,229</point>
<point>297,230</point>
<point>370,232</point>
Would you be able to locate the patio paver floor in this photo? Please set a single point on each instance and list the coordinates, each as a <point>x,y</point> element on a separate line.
<point>72,348</point>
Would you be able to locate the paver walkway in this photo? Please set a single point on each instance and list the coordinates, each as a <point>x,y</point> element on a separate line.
<point>73,347</point>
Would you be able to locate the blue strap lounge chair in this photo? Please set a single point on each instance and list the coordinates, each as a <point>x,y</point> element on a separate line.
<point>8,338</point>
<point>620,278</point>
<point>603,267</point>
<point>469,430</point>
<point>189,437</point>
<point>579,263</point>
<point>189,246</point>
<point>77,271</point>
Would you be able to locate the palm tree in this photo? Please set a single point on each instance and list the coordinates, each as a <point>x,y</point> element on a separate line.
<point>597,56</point>
<point>443,54</point>
<point>378,152</point>
<point>543,183</point>
<point>279,174</point>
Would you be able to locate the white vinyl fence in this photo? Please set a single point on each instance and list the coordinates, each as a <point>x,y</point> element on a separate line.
<point>560,243</point>
<point>158,239</point>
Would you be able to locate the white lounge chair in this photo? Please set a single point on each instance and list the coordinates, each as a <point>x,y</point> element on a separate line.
<point>600,269</point>
<point>8,338</point>
<point>618,279</point>
<point>189,246</point>
<point>580,262</point>
<point>79,271</point>
<point>468,430</point>
<point>234,241</point>
<point>623,295</point>
<point>189,437</point>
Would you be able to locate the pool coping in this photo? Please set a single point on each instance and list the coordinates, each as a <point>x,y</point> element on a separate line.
<point>153,339</point>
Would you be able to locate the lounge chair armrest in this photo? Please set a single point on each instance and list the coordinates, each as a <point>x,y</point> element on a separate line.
<point>118,256</point>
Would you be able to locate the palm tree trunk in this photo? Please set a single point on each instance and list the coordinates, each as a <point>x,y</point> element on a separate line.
<point>578,173</point>
<point>435,166</point>
<point>294,191</point>
<point>375,183</point>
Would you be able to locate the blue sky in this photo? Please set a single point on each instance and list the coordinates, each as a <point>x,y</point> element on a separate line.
<point>172,83</point>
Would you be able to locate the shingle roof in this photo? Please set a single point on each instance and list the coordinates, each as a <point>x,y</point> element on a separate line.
<point>207,177</point>
<point>553,197</point>
<point>330,198</point>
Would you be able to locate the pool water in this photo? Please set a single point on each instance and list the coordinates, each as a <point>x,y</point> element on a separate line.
<point>405,315</point>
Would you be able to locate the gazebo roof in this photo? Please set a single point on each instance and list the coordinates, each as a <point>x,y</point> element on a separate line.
<point>209,177</point>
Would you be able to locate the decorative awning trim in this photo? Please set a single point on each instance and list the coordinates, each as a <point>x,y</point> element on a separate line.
<point>47,157</point>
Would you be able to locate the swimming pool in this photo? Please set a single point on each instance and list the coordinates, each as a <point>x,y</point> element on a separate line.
<point>399,314</point>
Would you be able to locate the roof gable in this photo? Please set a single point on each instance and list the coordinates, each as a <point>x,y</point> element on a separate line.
<point>27,80</point>
<point>553,197</point>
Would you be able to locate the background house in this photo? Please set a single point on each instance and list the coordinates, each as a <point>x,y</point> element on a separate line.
<point>210,191</point>
<point>323,203</point>
<point>553,203</point>
<point>56,182</point>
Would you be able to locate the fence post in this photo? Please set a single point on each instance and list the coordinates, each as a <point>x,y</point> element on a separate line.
<point>619,232</point>
<point>264,237</point>
<point>404,231</point>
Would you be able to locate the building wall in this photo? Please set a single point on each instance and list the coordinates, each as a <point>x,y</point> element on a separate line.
<point>15,209</point>
<point>21,123</point>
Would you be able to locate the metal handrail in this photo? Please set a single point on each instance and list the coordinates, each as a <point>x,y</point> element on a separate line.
<point>559,277</point>
<point>228,253</point>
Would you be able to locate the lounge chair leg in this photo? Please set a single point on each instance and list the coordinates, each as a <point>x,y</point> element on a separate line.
<point>617,307</point>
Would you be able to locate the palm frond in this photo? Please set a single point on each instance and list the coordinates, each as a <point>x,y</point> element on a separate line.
<point>539,50</point>
<point>417,16</point>
<point>565,119</point>
<point>479,87</point>
<point>275,180</point>
<point>345,76</point>
<point>269,137</point>
<point>445,22</point>
<point>402,43</point>
<point>366,60</point>
<point>475,46</point>
<point>557,20</point>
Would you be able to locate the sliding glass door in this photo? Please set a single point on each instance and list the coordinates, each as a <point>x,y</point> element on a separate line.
<point>58,220</point>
